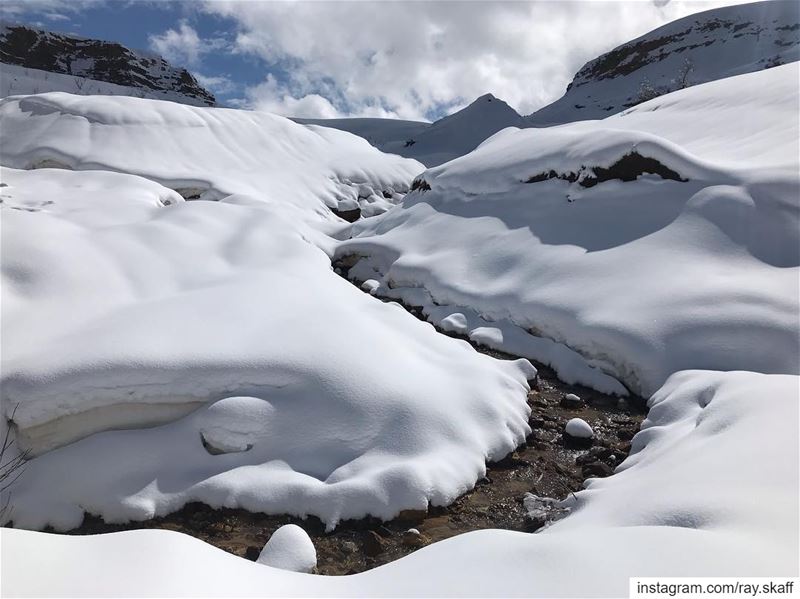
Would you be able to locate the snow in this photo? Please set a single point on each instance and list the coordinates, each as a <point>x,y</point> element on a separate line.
<point>579,429</point>
<point>289,548</point>
<point>699,48</point>
<point>159,351</point>
<point>433,143</point>
<point>222,151</point>
<point>370,286</point>
<point>18,81</point>
<point>293,384</point>
<point>455,322</point>
<point>679,520</point>
<point>641,278</point>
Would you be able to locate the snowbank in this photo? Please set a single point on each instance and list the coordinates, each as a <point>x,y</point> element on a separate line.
<point>208,152</point>
<point>124,306</point>
<point>642,274</point>
<point>680,519</point>
<point>289,548</point>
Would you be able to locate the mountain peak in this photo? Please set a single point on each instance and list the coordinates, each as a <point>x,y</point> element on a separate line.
<point>487,106</point>
<point>701,47</point>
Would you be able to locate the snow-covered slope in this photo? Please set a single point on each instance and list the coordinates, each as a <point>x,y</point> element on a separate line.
<point>438,142</point>
<point>19,81</point>
<point>701,47</point>
<point>710,490</point>
<point>552,231</point>
<point>124,306</point>
<point>376,131</point>
<point>205,152</point>
<point>58,62</point>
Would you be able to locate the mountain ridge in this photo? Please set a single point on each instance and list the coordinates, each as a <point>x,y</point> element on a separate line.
<point>97,60</point>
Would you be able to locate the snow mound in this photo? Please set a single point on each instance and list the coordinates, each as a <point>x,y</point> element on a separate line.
<point>293,398</point>
<point>587,157</point>
<point>235,424</point>
<point>289,548</point>
<point>579,429</point>
<point>703,428</point>
<point>642,276</point>
<point>215,152</point>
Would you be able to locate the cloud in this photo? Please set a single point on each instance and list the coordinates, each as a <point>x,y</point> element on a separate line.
<point>56,16</point>
<point>420,59</point>
<point>53,10</point>
<point>273,96</point>
<point>217,84</point>
<point>181,46</point>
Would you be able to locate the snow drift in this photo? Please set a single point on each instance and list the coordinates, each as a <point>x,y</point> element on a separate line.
<point>678,520</point>
<point>207,153</point>
<point>208,302</point>
<point>644,275</point>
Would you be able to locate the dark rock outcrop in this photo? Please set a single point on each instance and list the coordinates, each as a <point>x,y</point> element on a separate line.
<point>99,60</point>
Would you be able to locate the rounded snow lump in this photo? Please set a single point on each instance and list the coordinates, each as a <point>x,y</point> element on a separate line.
<point>289,548</point>
<point>370,286</point>
<point>456,322</point>
<point>579,429</point>
<point>234,424</point>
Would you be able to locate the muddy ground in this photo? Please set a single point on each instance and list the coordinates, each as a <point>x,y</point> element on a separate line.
<point>546,465</point>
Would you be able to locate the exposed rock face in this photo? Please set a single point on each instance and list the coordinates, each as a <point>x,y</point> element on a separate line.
<point>696,49</point>
<point>98,60</point>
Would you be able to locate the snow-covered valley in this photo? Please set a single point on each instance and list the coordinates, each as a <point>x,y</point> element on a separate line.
<point>189,317</point>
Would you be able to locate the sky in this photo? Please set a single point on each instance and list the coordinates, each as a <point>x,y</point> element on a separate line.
<point>410,59</point>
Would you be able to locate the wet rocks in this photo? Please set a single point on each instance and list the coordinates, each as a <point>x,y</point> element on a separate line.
<point>349,547</point>
<point>607,455</point>
<point>412,516</point>
<point>571,401</point>
<point>373,544</point>
<point>412,538</point>
<point>541,511</point>
<point>596,470</point>
<point>252,553</point>
<point>578,433</point>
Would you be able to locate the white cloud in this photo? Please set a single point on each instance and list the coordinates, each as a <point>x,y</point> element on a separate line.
<point>412,58</point>
<point>181,46</point>
<point>216,84</point>
<point>50,9</point>
<point>56,16</point>
<point>275,97</point>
